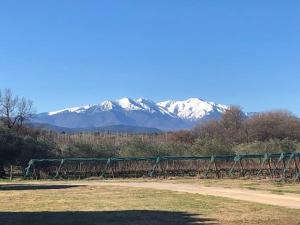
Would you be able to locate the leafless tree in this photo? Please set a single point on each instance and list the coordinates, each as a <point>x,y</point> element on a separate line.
<point>14,110</point>
<point>8,108</point>
<point>24,110</point>
<point>273,125</point>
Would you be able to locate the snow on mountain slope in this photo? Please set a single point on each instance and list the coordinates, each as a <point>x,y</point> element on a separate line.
<point>152,107</point>
<point>192,109</point>
<point>74,109</point>
<point>128,104</point>
<point>167,115</point>
<point>123,103</point>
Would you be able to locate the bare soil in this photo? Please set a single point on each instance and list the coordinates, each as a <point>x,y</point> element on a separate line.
<point>265,197</point>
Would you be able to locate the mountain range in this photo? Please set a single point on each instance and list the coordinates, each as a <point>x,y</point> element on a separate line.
<point>139,113</point>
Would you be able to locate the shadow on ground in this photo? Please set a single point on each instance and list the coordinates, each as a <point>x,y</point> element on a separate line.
<point>134,217</point>
<point>20,187</point>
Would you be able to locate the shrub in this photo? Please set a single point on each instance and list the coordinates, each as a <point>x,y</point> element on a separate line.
<point>272,145</point>
<point>211,147</point>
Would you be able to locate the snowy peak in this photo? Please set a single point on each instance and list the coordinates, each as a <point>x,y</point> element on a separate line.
<point>128,104</point>
<point>192,108</point>
<point>107,105</point>
<point>166,115</point>
<point>70,110</point>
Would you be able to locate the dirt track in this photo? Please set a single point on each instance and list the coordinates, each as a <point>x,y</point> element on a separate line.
<point>264,197</point>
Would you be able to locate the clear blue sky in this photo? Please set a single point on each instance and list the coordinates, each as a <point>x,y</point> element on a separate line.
<point>68,53</point>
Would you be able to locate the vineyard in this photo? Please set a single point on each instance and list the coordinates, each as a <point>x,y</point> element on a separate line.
<point>283,166</point>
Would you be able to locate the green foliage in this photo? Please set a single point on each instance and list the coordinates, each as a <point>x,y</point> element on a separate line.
<point>211,146</point>
<point>81,149</point>
<point>272,145</point>
<point>137,147</point>
<point>298,147</point>
<point>19,148</point>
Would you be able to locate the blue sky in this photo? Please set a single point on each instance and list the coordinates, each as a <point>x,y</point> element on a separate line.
<point>68,53</point>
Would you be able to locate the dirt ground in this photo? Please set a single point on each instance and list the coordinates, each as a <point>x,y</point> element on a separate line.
<point>289,200</point>
<point>286,200</point>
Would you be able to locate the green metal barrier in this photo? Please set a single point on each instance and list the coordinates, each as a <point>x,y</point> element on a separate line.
<point>274,165</point>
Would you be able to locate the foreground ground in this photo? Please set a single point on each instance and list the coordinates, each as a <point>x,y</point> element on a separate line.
<point>256,196</point>
<point>139,203</point>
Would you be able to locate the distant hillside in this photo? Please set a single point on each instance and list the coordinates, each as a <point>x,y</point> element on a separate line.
<point>113,129</point>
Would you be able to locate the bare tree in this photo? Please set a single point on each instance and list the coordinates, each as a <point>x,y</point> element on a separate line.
<point>13,110</point>
<point>233,118</point>
<point>232,122</point>
<point>8,108</point>
<point>24,110</point>
<point>273,125</point>
<point>228,130</point>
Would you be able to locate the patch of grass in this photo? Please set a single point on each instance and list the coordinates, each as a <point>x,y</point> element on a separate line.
<point>112,205</point>
<point>252,188</point>
<point>277,192</point>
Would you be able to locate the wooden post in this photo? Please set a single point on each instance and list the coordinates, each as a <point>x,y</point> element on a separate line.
<point>11,172</point>
<point>242,168</point>
<point>296,166</point>
<point>79,170</point>
<point>270,167</point>
<point>216,169</point>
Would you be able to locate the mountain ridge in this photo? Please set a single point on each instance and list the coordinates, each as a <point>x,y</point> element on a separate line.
<point>164,115</point>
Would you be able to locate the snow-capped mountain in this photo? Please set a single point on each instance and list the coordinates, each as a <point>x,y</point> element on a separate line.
<point>166,115</point>
<point>192,109</point>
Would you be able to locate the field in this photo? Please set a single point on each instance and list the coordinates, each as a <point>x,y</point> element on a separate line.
<point>108,202</point>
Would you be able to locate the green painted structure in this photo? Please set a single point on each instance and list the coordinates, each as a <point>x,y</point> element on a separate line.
<point>283,166</point>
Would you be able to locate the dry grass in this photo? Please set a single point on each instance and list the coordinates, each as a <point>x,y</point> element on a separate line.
<point>93,204</point>
<point>252,184</point>
<point>266,185</point>
<point>276,187</point>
